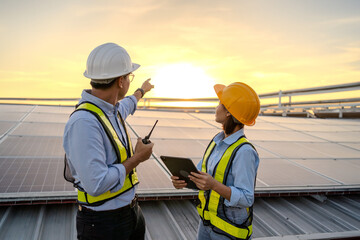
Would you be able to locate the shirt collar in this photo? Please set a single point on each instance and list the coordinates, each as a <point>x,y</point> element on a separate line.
<point>230,139</point>
<point>108,108</point>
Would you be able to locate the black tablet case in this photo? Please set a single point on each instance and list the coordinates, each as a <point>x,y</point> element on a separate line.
<point>181,167</point>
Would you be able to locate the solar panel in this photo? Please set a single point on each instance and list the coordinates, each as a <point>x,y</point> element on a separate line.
<point>265,126</point>
<point>341,122</point>
<point>313,127</point>
<point>344,171</point>
<point>164,122</point>
<point>204,116</point>
<point>181,148</point>
<point>211,117</point>
<point>264,153</point>
<point>276,120</point>
<point>11,116</point>
<point>352,145</point>
<point>304,150</point>
<point>280,172</point>
<point>355,162</point>
<point>6,126</point>
<point>177,132</point>
<point>290,149</point>
<point>162,114</point>
<point>268,135</point>
<point>54,109</point>
<point>40,129</point>
<point>259,125</point>
<point>352,127</point>
<point>145,121</point>
<point>15,108</point>
<point>333,150</point>
<point>348,136</point>
<point>30,146</point>
<point>32,175</point>
<point>151,176</point>
<point>47,117</point>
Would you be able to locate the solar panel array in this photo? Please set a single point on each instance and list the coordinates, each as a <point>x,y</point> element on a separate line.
<point>31,154</point>
<point>297,154</point>
<point>310,153</point>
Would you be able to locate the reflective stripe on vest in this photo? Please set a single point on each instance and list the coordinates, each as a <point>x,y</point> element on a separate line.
<point>208,207</point>
<point>122,154</point>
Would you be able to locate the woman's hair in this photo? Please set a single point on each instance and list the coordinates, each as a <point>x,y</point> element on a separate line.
<point>230,125</point>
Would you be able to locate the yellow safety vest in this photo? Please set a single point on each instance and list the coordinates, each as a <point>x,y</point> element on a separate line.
<point>121,152</point>
<point>211,202</point>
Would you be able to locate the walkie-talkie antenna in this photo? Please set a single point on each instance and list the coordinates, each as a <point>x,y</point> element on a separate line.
<point>146,139</point>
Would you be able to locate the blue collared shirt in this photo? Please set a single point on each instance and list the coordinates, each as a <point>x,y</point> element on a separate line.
<point>241,176</point>
<point>90,154</point>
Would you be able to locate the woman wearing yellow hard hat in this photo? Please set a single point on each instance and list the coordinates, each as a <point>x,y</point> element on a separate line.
<point>227,172</point>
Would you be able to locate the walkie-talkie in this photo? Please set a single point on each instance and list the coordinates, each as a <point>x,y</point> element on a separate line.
<point>146,139</point>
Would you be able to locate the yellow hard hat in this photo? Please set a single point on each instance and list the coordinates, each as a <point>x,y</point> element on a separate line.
<point>240,100</point>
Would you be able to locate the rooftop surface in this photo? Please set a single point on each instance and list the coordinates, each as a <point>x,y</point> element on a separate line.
<point>302,159</point>
<point>336,217</point>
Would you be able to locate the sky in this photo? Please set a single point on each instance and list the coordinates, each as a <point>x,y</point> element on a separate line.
<point>185,46</point>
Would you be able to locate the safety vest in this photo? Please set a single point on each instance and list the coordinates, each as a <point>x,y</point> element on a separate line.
<point>121,152</point>
<point>211,202</point>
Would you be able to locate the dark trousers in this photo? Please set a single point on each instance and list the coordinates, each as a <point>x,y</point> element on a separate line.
<point>128,223</point>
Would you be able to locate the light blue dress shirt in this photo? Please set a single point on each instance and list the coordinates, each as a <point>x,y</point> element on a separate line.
<point>241,176</point>
<point>90,153</point>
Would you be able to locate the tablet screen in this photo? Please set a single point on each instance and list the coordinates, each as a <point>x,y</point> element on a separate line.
<point>181,167</point>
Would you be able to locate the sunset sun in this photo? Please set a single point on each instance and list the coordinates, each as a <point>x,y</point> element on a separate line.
<point>182,80</point>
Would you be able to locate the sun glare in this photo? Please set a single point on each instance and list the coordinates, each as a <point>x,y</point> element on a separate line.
<point>182,80</point>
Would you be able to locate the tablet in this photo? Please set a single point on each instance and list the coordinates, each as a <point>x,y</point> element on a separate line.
<point>181,167</point>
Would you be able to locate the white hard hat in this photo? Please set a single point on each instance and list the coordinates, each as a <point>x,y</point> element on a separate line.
<point>107,61</point>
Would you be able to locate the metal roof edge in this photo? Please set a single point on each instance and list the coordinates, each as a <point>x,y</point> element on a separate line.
<point>329,235</point>
<point>169,193</point>
<point>326,188</point>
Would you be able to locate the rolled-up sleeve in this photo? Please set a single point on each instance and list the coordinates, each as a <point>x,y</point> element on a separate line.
<point>85,149</point>
<point>243,172</point>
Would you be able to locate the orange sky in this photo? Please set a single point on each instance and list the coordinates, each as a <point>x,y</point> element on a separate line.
<point>270,45</point>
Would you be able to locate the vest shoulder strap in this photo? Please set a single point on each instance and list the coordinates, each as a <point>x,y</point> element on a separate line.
<point>105,123</point>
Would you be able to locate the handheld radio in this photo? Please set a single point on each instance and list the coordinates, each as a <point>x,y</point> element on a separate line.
<point>146,139</point>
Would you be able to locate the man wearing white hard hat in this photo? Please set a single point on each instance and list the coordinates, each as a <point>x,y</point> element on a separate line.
<point>99,158</point>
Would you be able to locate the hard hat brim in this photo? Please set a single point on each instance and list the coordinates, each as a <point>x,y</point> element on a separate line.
<point>134,67</point>
<point>219,89</point>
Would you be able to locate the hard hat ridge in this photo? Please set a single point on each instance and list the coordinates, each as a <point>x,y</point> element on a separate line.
<point>107,61</point>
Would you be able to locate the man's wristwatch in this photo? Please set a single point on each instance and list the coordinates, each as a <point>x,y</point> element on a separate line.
<point>142,91</point>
